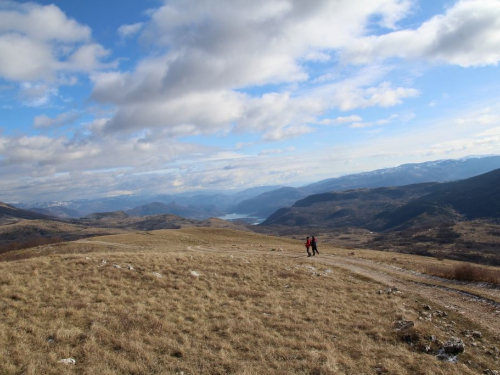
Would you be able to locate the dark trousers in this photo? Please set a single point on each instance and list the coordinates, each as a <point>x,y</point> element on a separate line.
<point>315,250</point>
<point>307,249</point>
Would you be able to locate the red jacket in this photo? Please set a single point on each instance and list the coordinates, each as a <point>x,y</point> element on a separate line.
<point>308,243</point>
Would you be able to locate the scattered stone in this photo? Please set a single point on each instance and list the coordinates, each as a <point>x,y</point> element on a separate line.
<point>491,372</point>
<point>280,249</point>
<point>379,369</point>
<point>68,361</point>
<point>380,291</point>
<point>427,308</point>
<point>402,325</point>
<point>158,275</point>
<point>432,338</point>
<point>287,286</point>
<point>443,356</point>
<point>426,316</point>
<point>194,274</point>
<point>454,346</point>
<point>50,340</point>
<point>177,354</point>
<point>117,266</point>
<point>440,314</point>
<point>130,268</point>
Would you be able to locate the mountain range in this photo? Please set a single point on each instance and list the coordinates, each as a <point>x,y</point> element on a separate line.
<point>264,201</point>
<point>268,202</point>
<point>397,208</point>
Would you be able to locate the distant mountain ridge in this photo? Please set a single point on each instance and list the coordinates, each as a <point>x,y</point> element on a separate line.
<point>263,201</point>
<point>159,208</point>
<point>8,213</point>
<point>397,208</point>
<point>192,205</point>
<point>406,174</point>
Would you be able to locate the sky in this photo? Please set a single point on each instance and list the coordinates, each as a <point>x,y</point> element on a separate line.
<point>118,97</point>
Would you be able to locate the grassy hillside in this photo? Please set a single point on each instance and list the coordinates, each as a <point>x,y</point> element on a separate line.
<point>351,208</point>
<point>473,198</point>
<point>209,301</point>
<point>10,213</point>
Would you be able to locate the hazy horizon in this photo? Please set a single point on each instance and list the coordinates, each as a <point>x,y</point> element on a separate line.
<point>165,97</point>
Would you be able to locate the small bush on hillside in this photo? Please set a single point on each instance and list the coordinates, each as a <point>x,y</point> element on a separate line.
<point>465,272</point>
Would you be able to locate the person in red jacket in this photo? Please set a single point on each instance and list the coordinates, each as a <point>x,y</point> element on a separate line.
<point>308,245</point>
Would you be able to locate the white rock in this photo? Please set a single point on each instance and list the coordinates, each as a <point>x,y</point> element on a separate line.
<point>117,266</point>
<point>194,274</point>
<point>130,268</point>
<point>68,361</point>
<point>158,275</point>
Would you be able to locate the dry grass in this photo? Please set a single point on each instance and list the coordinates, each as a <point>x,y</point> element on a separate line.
<point>244,314</point>
<point>465,272</point>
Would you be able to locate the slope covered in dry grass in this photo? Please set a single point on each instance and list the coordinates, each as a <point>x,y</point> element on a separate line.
<point>142,303</point>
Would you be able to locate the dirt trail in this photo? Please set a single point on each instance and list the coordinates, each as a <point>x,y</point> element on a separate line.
<point>466,299</point>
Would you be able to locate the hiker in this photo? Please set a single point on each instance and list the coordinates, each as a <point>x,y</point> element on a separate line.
<point>314,245</point>
<point>308,245</point>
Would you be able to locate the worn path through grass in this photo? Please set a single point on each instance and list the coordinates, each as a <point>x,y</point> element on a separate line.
<point>478,302</point>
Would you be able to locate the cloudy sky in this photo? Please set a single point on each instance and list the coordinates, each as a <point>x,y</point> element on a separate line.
<point>103,98</point>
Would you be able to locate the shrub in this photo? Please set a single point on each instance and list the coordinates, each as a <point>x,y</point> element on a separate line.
<point>465,272</point>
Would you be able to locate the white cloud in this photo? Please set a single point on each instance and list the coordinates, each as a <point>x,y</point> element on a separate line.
<point>36,95</point>
<point>287,132</point>
<point>62,119</point>
<point>126,31</point>
<point>340,120</point>
<point>466,35</point>
<point>349,97</point>
<point>22,58</point>
<point>195,88</point>
<point>276,151</point>
<point>39,43</point>
<point>484,119</point>
<point>44,23</point>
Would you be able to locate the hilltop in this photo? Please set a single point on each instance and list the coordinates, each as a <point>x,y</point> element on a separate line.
<point>204,300</point>
<point>20,228</point>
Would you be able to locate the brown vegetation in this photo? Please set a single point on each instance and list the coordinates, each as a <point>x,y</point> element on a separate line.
<point>18,245</point>
<point>465,272</point>
<point>247,312</point>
